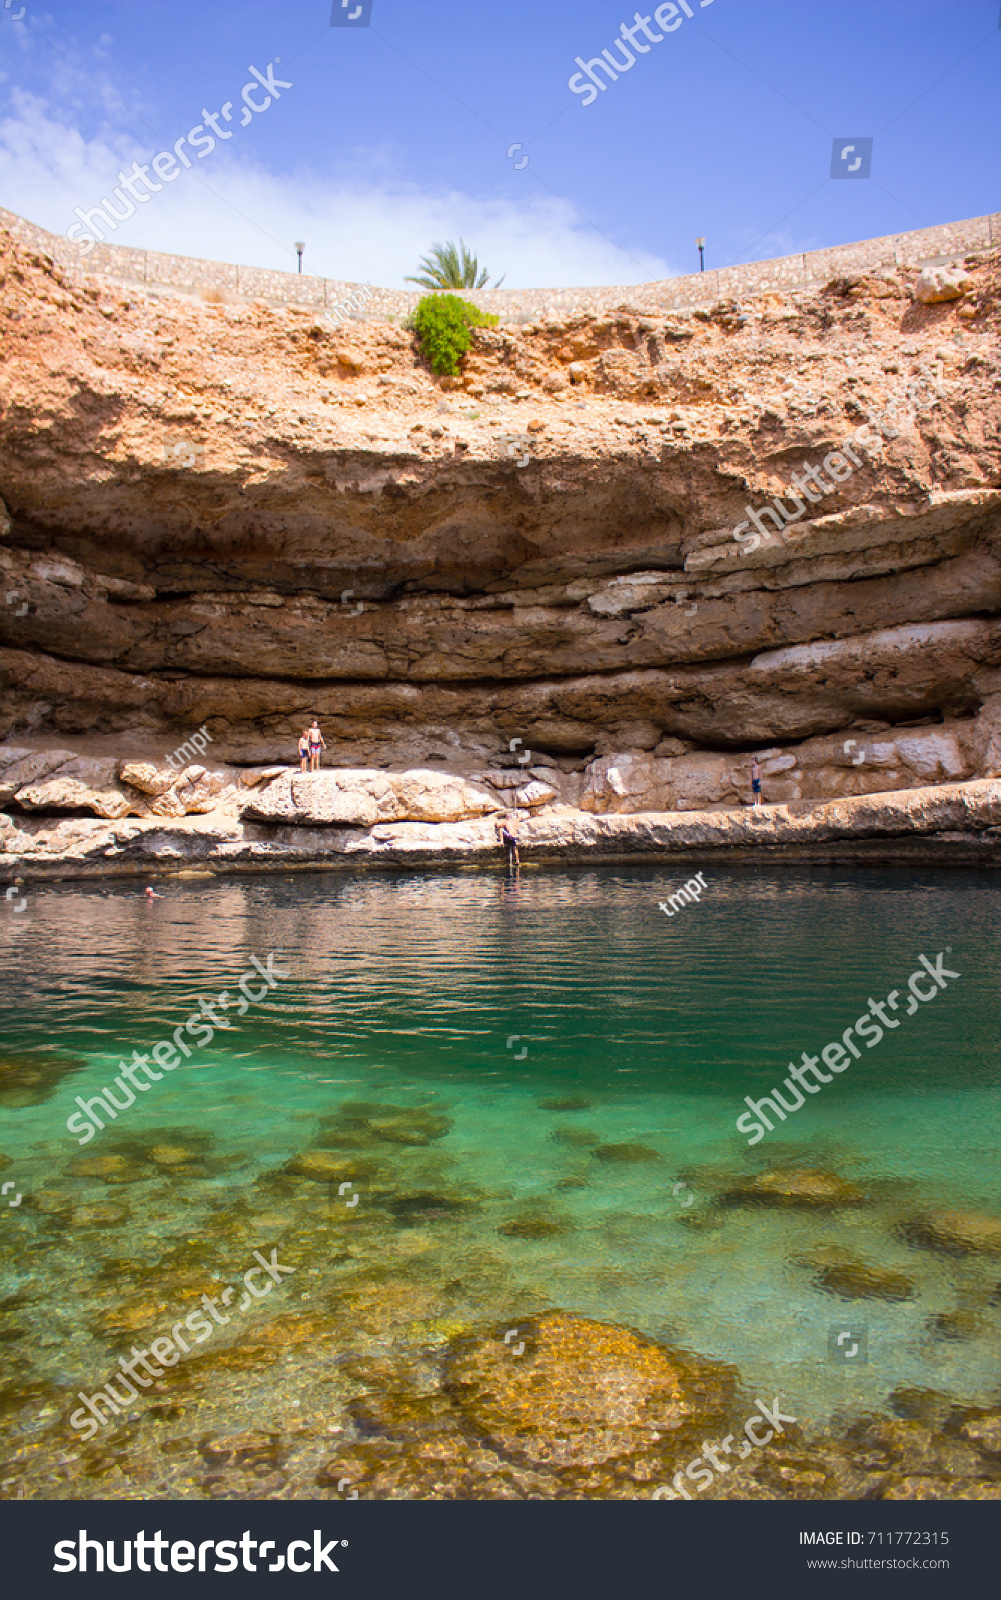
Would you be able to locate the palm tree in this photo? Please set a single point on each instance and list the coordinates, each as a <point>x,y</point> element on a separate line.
<point>448,267</point>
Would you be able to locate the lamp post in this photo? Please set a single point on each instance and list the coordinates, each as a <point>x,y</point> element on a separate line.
<point>299,248</point>
<point>702,257</point>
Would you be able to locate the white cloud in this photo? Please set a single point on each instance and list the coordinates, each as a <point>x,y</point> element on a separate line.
<point>374,228</point>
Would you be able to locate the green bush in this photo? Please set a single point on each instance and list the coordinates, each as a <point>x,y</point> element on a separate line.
<point>442,323</point>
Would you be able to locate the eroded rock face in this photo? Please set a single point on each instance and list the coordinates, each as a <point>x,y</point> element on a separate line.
<point>554,565</point>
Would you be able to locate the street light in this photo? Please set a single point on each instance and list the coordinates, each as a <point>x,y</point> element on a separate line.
<point>299,248</point>
<point>702,258</point>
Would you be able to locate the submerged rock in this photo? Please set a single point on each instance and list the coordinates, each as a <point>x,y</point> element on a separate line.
<point>582,1392</point>
<point>532,1228</point>
<point>361,1124</point>
<point>794,1187</point>
<point>983,1428</point>
<point>625,1153</point>
<point>170,1155</point>
<point>93,1216</point>
<point>956,1325</point>
<point>325,1166</point>
<point>566,1102</point>
<point>28,1080</point>
<point>954,1233</point>
<point>110,1168</point>
<point>576,1138</point>
<point>400,1415</point>
<point>243,1450</point>
<point>854,1280</point>
<point>428,1207</point>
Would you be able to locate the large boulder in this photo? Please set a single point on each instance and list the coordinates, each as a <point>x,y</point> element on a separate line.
<point>582,1392</point>
<point>794,1188</point>
<point>362,797</point>
<point>935,284</point>
<point>955,1233</point>
<point>20,767</point>
<point>82,784</point>
<point>147,777</point>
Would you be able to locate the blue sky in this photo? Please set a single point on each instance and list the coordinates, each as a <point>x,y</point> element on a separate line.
<point>396,134</point>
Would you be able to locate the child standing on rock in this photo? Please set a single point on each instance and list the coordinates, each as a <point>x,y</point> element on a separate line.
<point>303,749</point>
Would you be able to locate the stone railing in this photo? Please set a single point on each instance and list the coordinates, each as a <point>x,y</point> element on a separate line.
<point>212,279</point>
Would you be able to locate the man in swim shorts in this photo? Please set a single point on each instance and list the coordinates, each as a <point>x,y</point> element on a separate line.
<point>316,744</point>
<point>755,781</point>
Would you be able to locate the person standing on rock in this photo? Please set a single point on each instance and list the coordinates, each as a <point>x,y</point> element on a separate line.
<point>507,827</point>
<point>316,744</point>
<point>303,749</point>
<point>755,782</point>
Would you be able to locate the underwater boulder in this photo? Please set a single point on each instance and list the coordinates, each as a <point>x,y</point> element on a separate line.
<point>954,1233</point>
<point>582,1392</point>
<point>624,1154</point>
<point>27,1079</point>
<point>794,1187</point>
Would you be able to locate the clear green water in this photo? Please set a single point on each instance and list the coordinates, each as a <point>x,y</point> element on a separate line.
<point>407,990</point>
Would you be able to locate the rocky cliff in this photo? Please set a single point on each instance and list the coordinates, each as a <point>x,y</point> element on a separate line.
<point>558,570</point>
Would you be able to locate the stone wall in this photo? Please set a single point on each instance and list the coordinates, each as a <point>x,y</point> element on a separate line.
<point>189,275</point>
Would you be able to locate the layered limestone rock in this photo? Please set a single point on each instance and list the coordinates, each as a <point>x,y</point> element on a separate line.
<point>533,579</point>
<point>958,823</point>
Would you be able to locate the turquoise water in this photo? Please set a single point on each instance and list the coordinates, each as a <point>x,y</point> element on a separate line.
<point>478,997</point>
